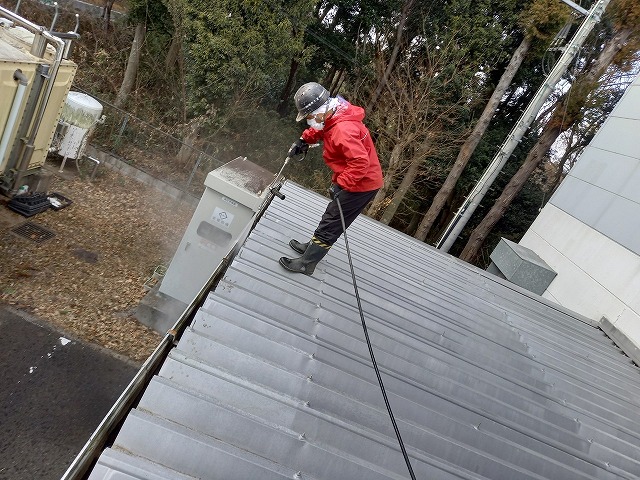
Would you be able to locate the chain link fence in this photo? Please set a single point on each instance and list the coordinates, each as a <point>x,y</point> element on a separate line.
<point>161,154</point>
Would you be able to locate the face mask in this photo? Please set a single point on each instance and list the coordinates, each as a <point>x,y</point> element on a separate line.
<point>315,125</point>
<point>320,111</point>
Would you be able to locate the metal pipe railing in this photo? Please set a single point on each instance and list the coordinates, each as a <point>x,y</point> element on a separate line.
<point>23,82</point>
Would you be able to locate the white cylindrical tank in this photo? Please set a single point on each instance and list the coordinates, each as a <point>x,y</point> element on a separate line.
<point>80,114</point>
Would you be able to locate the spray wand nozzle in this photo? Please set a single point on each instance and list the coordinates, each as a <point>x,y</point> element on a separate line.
<point>276,189</point>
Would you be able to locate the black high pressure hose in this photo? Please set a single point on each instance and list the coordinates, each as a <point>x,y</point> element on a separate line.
<point>366,335</point>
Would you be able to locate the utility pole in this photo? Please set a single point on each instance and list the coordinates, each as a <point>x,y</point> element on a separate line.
<point>478,192</point>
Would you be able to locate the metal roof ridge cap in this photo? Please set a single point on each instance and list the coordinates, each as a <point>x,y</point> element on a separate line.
<point>622,341</point>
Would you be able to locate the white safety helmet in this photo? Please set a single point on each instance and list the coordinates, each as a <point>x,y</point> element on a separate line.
<point>308,98</point>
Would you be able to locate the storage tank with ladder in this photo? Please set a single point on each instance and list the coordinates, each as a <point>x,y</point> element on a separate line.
<point>80,114</point>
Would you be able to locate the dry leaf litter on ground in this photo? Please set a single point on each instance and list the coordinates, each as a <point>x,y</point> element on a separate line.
<point>88,279</point>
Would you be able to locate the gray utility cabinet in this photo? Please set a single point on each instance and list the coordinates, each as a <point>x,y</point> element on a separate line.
<point>234,193</point>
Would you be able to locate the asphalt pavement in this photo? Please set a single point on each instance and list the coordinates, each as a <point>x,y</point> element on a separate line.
<point>55,391</point>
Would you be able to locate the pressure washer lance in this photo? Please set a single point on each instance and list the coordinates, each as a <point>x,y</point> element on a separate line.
<point>276,188</point>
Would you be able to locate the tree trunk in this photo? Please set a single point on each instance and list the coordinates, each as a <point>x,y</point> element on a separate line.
<point>174,50</point>
<point>283,106</point>
<point>564,115</point>
<point>338,86</point>
<point>336,82</point>
<point>328,78</point>
<point>560,169</point>
<point>469,146</point>
<point>183,87</point>
<point>106,13</point>
<point>187,148</point>
<point>132,66</point>
<point>389,176</point>
<point>510,192</point>
<point>404,15</point>
<point>400,192</point>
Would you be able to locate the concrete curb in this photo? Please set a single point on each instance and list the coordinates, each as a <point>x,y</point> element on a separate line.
<point>117,164</point>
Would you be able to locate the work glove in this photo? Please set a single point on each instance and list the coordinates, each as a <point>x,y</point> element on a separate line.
<point>298,147</point>
<point>334,191</point>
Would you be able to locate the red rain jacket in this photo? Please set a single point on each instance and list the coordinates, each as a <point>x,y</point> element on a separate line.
<point>348,150</point>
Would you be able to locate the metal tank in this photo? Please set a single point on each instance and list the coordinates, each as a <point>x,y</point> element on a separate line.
<point>35,78</point>
<point>80,114</point>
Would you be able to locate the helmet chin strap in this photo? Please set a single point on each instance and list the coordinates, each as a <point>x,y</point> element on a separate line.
<point>329,112</point>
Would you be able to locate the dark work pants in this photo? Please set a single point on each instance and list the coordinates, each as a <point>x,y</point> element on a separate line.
<point>352,203</point>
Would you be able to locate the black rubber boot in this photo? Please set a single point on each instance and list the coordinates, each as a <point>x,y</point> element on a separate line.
<point>306,263</point>
<point>298,246</point>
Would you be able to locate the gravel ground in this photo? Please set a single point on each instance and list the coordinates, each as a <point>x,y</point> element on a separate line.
<point>88,279</point>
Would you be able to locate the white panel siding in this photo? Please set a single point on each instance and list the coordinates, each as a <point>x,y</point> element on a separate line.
<point>603,189</point>
<point>612,172</point>
<point>596,276</point>
<point>621,136</point>
<point>629,107</point>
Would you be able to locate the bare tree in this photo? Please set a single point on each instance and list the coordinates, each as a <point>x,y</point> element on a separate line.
<point>469,146</point>
<point>188,146</point>
<point>173,52</point>
<point>132,65</point>
<point>288,88</point>
<point>537,25</point>
<point>394,168</point>
<point>106,12</point>
<point>404,15</point>
<point>418,119</point>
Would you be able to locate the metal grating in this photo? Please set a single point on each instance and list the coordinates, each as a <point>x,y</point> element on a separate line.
<point>34,232</point>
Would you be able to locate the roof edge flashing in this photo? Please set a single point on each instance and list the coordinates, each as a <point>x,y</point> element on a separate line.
<point>622,341</point>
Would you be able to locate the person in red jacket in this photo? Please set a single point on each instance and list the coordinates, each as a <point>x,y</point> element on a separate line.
<point>349,152</point>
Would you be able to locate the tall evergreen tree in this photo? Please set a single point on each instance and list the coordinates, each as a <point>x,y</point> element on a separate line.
<point>618,49</point>
<point>141,13</point>
<point>238,51</point>
<point>541,18</point>
<point>471,35</point>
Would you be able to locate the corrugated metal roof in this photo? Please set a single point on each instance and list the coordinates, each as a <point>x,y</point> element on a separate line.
<point>274,380</point>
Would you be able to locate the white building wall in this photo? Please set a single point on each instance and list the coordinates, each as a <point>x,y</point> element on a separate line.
<point>589,232</point>
<point>596,276</point>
